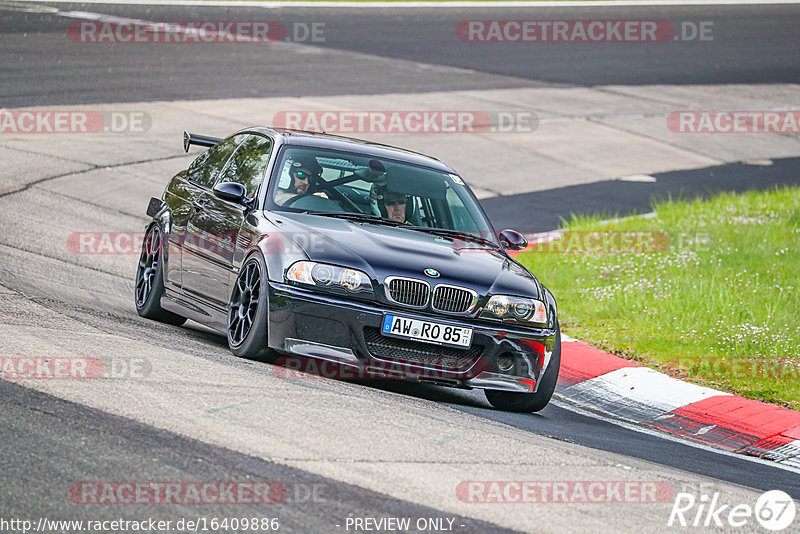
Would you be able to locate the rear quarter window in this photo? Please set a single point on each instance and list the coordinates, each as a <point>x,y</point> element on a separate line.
<point>204,170</point>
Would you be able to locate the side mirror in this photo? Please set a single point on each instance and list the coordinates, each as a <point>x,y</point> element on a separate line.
<point>512,240</point>
<point>231,191</point>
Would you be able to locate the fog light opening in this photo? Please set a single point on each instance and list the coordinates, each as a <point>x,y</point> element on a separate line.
<point>505,362</point>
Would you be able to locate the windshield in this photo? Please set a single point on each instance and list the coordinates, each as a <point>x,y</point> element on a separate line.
<point>329,182</point>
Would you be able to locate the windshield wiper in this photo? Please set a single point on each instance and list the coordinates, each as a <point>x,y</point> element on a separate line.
<point>361,217</point>
<point>466,236</point>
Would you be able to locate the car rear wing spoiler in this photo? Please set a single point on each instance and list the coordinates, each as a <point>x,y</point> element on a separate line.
<point>198,140</point>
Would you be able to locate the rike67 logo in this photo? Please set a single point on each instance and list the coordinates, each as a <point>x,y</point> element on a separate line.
<point>774,510</point>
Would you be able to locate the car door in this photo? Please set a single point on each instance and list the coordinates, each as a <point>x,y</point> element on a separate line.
<point>214,224</point>
<point>198,179</point>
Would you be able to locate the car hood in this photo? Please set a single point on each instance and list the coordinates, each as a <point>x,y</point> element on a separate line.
<point>383,251</point>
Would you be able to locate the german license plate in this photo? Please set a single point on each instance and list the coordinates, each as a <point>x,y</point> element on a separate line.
<point>426,331</point>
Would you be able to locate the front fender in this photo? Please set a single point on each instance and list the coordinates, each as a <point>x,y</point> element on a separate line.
<point>279,251</point>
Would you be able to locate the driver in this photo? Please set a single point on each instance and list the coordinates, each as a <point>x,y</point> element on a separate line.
<point>303,171</point>
<point>395,204</point>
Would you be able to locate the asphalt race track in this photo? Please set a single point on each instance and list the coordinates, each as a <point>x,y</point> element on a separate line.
<point>752,44</point>
<point>183,409</point>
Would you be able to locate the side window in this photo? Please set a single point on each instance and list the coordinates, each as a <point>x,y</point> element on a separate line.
<point>206,167</point>
<point>248,163</point>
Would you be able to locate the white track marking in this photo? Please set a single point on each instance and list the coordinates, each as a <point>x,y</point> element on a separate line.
<point>790,451</point>
<point>638,393</point>
<point>153,26</point>
<point>565,403</point>
<point>637,178</point>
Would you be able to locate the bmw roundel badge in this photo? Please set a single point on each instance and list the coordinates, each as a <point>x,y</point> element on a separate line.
<point>433,273</point>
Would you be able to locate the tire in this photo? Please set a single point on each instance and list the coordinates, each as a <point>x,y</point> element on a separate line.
<point>531,402</point>
<point>247,311</point>
<point>150,280</point>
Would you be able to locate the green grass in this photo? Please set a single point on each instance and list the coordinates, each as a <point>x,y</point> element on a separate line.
<point>719,306</point>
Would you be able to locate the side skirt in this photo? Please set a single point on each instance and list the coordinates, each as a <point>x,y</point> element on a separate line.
<point>195,309</point>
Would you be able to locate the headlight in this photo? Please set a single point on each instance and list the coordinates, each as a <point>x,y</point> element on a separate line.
<point>518,309</point>
<point>330,277</point>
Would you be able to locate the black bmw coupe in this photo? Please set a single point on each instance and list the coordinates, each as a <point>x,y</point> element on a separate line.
<point>334,249</point>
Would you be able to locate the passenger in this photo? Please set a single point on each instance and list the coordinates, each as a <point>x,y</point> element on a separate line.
<point>395,206</point>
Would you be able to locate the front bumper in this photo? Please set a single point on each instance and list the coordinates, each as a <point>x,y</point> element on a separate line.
<point>347,332</point>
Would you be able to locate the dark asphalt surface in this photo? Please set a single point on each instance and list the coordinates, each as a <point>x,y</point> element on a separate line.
<point>41,65</point>
<point>560,423</point>
<point>57,444</point>
<point>547,210</point>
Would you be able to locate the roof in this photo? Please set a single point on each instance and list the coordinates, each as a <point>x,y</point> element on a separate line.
<point>349,144</point>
